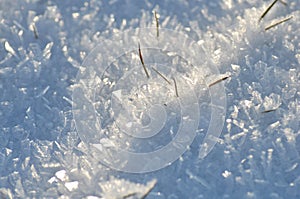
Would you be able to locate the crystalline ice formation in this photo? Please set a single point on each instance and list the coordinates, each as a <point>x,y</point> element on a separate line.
<point>120,188</point>
<point>131,107</point>
<point>257,155</point>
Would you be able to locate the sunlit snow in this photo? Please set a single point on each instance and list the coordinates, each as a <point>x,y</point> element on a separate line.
<point>66,123</point>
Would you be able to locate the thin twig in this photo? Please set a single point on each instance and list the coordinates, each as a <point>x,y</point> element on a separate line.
<point>283,2</point>
<point>160,74</point>
<point>147,193</point>
<point>277,23</point>
<point>129,195</point>
<point>175,84</point>
<point>267,10</point>
<point>218,81</point>
<point>268,111</point>
<point>35,32</point>
<point>157,24</point>
<point>142,61</point>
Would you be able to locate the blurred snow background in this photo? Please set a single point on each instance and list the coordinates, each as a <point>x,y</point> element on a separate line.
<point>44,42</point>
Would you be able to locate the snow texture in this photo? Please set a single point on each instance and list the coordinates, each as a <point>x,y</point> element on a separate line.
<point>43,44</point>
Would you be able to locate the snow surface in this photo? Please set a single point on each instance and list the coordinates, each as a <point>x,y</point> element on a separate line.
<point>43,44</point>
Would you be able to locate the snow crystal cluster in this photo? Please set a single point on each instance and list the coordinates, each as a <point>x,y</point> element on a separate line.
<point>43,44</point>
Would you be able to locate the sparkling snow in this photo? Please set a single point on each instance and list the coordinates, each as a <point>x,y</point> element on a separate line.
<point>43,46</point>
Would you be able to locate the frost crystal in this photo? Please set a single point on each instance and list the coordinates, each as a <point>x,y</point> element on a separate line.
<point>43,45</point>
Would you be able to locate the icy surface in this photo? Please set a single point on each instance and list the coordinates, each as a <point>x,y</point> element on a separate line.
<point>43,44</point>
<point>151,120</point>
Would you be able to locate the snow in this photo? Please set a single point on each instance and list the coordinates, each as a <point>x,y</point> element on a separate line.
<point>238,99</point>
